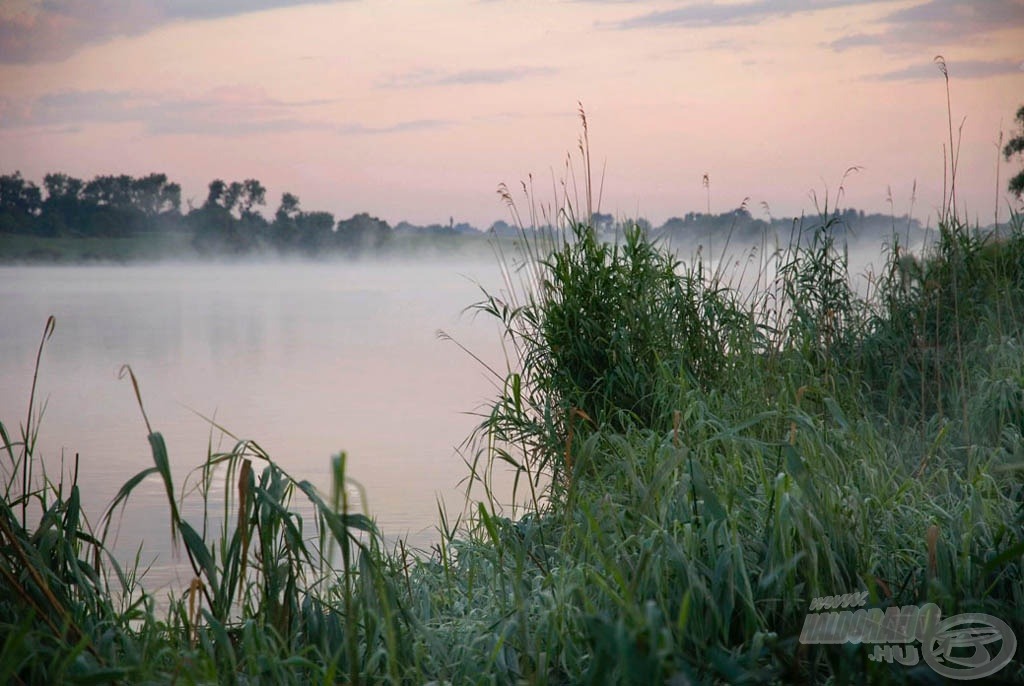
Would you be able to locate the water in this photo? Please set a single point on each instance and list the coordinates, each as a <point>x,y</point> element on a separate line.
<point>306,359</point>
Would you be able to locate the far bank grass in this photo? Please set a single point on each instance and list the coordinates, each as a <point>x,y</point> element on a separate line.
<point>27,249</point>
<point>23,249</point>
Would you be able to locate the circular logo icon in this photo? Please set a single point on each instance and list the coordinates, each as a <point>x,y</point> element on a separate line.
<point>957,648</point>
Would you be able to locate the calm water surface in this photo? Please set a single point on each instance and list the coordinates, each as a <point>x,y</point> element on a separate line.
<point>306,359</point>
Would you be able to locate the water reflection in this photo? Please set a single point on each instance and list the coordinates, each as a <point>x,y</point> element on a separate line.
<point>306,359</point>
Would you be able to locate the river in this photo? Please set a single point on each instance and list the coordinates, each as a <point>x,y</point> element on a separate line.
<point>308,359</point>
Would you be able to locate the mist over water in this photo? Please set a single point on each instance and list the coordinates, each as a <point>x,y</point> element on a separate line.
<point>306,359</point>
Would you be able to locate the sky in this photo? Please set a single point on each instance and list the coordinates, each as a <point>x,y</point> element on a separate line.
<point>418,111</point>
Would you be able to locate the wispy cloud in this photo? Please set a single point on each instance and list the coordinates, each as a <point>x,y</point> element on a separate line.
<point>971,69</point>
<point>426,78</point>
<point>227,111</point>
<point>81,106</point>
<point>959,15</point>
<point>935,22</point>
<point>221,128</point>
<point>51,30</point>
<point>705,14</point>
<point>398,127</point>
<point>860,40</point>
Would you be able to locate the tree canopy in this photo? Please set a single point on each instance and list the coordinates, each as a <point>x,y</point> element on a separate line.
<point>1015,148</point>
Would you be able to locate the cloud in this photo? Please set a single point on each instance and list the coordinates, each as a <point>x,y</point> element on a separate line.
<point>230,110</point>
<point>225,111</point>
<point>53,30</point>
<point>858,40</point>
<point>970,69</point>
<point>236,127</point>
<point>957,15</point>
<point>699,47</point>
<point>936,22</point>
<point>426,78</point>
<point>220,128</point>
<point>399,127</point>
<point>706,14</point>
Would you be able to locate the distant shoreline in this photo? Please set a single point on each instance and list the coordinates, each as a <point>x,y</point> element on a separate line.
<point>700,231</point>
<point>26,250</point>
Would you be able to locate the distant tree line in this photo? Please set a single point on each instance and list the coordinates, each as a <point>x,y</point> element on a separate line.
<point>109,206</point>
<point>229,221</point>
<point>744,227</point>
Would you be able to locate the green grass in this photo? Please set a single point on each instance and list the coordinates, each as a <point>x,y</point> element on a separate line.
<point>703,484</point>
<point>172,245</point>
<point>699,461</point>
<point>21,248</point>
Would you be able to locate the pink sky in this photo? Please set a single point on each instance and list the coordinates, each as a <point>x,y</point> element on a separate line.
<point>418,110</point>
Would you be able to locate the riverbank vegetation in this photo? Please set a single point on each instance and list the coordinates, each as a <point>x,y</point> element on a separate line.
<point>700,460</point>
<point>702,451</point>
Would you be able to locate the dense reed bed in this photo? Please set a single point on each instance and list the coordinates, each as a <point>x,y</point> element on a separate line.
<point>700,460</point>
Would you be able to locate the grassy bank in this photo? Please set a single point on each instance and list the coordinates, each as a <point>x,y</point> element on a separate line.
<point>702,459</point>
<point>28,249</point>
<point>179,246</point>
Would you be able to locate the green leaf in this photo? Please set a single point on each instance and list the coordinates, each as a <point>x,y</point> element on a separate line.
<point>1004,557</point>
<point>197,547</point>
<point>837,413</point>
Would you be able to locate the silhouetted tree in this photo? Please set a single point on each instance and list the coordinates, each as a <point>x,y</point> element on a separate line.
<point>602,221</point>
<point>238,198</point>
<point>62,208</point>
<point>502,228</point>
<point>315,231</point>
<point>20,203</point>
<point>112,191</point>
<point>1015,147</point>
<point>62,188</point>
<point>108,208</point>
<point>216,195</point>
<point>153,195</point>
<point>250,194</point>
<point>227,221</point>
<point>363,232</point>
<point>214,229</point>
<point>284,232</point>
<point>19,195</point>
<point>675,225</point>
